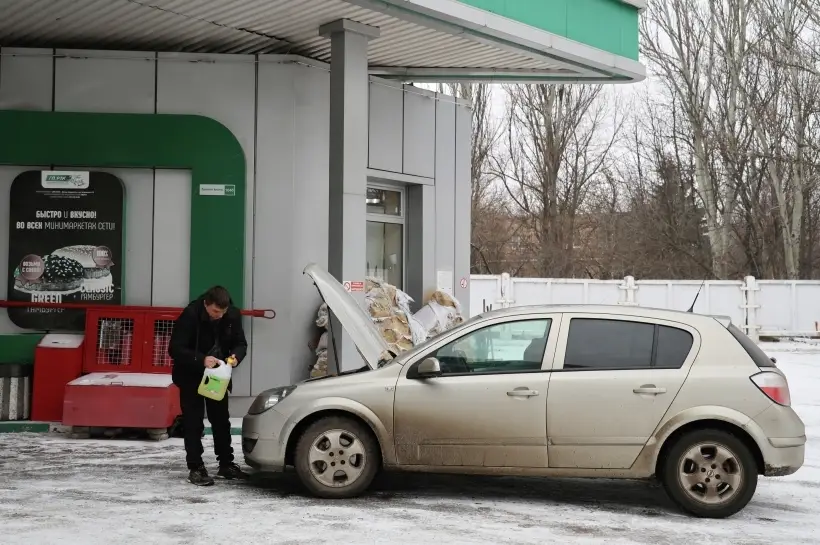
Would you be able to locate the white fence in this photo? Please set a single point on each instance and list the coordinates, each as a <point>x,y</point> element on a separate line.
<point>776,308</point>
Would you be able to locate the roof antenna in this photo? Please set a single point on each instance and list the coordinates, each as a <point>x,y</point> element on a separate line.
<point>692,308</point>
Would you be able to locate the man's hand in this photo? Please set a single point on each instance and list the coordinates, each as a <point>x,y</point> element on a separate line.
<point>211,362</point>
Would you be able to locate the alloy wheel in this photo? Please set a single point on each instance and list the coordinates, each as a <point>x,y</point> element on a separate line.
<point>337,458</point>
<point>710,473</point>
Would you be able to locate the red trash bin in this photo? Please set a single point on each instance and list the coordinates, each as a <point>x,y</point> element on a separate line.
<point>58,359</point>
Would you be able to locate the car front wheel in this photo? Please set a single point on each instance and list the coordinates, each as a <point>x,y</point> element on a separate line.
<point>710,473</point>
<point>337,457</point>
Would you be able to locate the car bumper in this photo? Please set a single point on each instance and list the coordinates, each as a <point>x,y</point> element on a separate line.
<point>783,456</point>
<point>262,443</point>
<point>781,436</point>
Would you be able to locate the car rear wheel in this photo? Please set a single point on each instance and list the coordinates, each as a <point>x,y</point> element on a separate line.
<point>710,473</point>
<point>337,457</point>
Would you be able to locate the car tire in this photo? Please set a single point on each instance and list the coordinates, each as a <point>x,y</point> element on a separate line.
<point>710,473</point>
<point>337,457</point>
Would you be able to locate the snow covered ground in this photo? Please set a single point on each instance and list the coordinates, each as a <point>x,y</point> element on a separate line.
<point>59,491</point>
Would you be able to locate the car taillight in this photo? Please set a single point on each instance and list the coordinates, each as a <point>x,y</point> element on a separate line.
<point>775,386</point>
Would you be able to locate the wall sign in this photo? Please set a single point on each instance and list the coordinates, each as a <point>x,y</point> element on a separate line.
<point>217,190</point>
<point>64,179</point>
<point>444,281</point>
<point>65,245</point>
<point>353,286</point>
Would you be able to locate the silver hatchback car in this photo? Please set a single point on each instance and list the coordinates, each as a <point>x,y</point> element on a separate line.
<point>556,391</point>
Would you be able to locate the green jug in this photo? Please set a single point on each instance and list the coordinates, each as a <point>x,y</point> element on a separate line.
<point>215,382</point>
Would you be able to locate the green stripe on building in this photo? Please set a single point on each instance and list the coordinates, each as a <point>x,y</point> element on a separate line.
<point>610,25</point>
<point>196,143</point>
<point>103,140</point>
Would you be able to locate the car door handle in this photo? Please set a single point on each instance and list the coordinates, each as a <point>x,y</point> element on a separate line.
<point>650,389</point>
<point>522,392</point>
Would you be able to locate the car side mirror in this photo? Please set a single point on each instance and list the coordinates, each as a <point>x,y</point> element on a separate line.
<point>774,360</point>
<point>429,368</point>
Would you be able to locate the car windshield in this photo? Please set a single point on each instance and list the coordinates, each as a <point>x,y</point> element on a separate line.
<point>421,347</point>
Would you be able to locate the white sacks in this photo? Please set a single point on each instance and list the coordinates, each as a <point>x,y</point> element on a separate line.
<point>322,319</point>
<point>389,308</point>
<point>319,369</point>
<point>322,345</point>
<point>441,313</point>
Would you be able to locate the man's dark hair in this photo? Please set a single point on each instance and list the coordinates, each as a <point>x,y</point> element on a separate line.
<point>218,296</point>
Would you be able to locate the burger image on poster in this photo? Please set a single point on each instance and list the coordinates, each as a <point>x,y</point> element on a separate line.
<point>95,261</point>
<point>54,274</point>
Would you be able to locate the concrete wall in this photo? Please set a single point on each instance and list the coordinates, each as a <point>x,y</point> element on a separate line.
<point>279,111</point>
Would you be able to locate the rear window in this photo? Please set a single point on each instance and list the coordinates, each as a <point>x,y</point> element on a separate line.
<point>755,352</point>
<point>673,347</point>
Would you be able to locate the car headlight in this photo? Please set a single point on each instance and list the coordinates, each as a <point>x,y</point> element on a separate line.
<point>269,398</point>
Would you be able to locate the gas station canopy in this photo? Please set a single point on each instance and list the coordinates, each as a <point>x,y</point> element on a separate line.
<point>419,40</point>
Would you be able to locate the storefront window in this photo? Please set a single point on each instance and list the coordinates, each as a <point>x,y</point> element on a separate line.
<point>385,235</point>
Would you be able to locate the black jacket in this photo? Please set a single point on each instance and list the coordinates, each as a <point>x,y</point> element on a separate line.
<point>195,336</point>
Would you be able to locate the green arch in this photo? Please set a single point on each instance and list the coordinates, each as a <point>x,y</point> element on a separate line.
<point>200,144</point>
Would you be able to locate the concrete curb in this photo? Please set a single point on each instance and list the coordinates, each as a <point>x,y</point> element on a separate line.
<point>24,426</point>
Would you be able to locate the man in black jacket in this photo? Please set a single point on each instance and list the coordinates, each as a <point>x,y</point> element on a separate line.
<point>208,330</point>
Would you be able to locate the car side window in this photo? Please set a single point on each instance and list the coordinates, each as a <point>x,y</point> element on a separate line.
<point>510,347</point>
<point>600,344</point>
<point>608,344</point>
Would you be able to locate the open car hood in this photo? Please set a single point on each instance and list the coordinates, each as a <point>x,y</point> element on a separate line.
<point>354,319</point>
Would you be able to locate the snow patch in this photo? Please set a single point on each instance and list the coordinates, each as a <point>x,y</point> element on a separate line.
<point>141,380</point>
<point>57,491</point>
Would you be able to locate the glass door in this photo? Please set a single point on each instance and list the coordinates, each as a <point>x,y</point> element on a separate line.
<point>385,235</point>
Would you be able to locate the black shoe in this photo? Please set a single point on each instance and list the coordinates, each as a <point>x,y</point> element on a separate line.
<point>231,471</point>
<point>200,477</point>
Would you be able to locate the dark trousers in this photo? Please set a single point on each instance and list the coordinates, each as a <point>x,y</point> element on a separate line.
<point>193,413</point>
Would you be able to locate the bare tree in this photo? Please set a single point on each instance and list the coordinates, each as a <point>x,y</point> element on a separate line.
<point>677,38</point>
<point>717,175</point>
<point>744,76</point>
<point>780,98</point>
<point>666,216</point>
<point>493,225</point>
<point>557,145</point>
